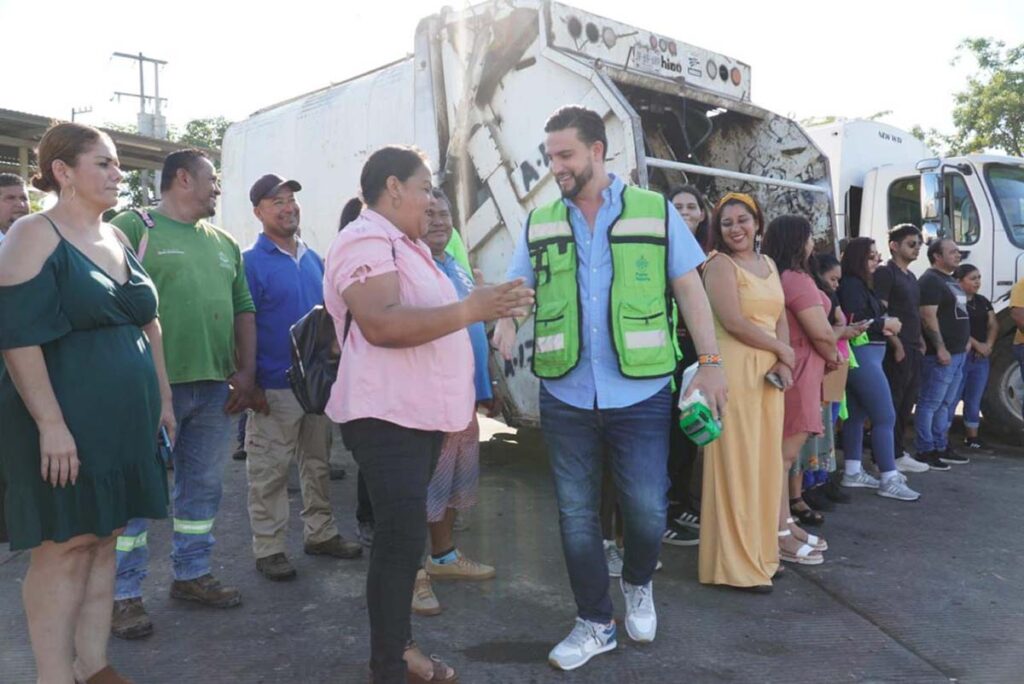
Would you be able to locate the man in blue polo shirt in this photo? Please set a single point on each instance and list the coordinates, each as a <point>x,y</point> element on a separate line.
<point>286,281</point>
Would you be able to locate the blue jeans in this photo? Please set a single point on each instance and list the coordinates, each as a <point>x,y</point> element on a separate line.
<point>637,439</point>
<point>972,386</point>
<point>868,397</point>
<point>939,387</point>
<point>204,440</point>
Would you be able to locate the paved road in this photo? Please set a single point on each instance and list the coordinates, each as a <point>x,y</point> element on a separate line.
<point>923,592</point>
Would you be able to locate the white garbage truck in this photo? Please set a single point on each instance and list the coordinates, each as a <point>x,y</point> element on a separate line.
<point>883,176</point>
<point>475,94</point>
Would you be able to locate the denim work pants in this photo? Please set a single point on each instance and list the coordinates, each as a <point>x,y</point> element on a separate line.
<point>396,463</point>
<point>939,387</point>
<point>868,397</point>
<point>204,441</point>
<point>972,387</point>
<point>637,439</point>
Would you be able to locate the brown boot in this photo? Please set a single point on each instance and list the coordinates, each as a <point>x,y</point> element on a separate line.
<point>206,590</point>
<point>275,567</point>
<point>130,620</point>
<point>335,546</point>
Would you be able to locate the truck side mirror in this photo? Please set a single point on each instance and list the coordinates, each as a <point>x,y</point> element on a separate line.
<point>932,196</point>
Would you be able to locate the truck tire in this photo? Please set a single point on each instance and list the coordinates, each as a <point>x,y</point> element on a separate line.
<point>1001,403</point>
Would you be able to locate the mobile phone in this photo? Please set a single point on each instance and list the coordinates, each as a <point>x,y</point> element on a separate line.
<point>163,447</point>
<point>774,379</point>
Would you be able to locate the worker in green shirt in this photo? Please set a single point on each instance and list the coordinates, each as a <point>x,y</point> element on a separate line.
<point>209,327</point>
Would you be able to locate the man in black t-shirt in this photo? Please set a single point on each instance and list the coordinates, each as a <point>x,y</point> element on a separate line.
<point>946,327</point>
<point>897,287</point>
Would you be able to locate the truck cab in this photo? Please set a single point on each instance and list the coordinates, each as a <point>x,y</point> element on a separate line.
<point>883,177</point>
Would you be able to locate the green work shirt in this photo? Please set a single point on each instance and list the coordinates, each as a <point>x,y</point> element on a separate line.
<point>199,275</point>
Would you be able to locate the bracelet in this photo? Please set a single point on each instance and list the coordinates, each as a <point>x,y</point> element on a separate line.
<point>714,360</point>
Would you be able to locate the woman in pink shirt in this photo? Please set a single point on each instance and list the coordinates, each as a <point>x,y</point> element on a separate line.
<point>405,378</point>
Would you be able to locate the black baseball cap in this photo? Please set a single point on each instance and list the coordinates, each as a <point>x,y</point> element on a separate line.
<point>268,185</point>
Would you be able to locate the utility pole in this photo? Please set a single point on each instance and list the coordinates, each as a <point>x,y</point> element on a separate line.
<point>79,110</point>
<point>152,124</point>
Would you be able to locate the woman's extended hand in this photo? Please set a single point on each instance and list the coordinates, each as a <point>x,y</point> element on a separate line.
<point>58,455</point>
<point>785,374</point>
<point>488,302</point>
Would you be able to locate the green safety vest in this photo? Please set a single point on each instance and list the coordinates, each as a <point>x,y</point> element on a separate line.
<point>641,308</point>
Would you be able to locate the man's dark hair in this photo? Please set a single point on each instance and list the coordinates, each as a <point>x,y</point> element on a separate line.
<point>175,161</point>
<point>9,179</point>
<point>935,248</point>
<point>901,232</point>
<point>588,124</point>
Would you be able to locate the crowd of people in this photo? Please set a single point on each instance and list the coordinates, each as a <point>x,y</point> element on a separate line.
<point>161,321</point>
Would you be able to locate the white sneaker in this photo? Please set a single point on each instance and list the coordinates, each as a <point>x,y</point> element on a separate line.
<point>613,557</point>
<point>586,640</point>
<point>897,488</point>
<point>861,479</point>
<point>641,619</point>
<point>908,464</point>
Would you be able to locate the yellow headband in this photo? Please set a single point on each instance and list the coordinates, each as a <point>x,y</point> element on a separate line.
<point>746,200</point>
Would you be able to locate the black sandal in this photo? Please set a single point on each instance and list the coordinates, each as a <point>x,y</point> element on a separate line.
<point>806,516</point>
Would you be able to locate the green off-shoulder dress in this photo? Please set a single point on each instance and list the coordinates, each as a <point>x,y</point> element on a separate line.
<point>101,368</point>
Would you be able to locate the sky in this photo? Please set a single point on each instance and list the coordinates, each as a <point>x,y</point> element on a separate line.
<point>808,59</point>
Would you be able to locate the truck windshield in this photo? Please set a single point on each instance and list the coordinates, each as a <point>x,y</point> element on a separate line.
<point>1007,185</point>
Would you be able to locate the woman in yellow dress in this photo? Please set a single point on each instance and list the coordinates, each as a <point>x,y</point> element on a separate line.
<point>742,491</point>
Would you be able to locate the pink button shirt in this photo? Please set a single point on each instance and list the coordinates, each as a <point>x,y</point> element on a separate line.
<point>429,387</point>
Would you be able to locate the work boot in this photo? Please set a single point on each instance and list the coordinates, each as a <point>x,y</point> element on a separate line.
<point>424,600</point>
<point>206,590</point>
<point>275,567</point>
<point>130,620</point>
<point>336,547</point>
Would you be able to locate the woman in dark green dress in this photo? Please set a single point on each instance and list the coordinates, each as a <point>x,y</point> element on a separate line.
<point>81,401</point>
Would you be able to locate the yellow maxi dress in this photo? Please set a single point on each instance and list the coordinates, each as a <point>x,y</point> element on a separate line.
<point>742,486</point>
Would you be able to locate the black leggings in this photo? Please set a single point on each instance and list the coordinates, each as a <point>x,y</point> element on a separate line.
<point>396,464</point>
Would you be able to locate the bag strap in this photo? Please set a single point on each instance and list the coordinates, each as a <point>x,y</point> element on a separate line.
<point>147,221</point>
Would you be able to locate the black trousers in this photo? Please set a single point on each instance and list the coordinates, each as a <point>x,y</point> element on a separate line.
<point>364,509</point>
<point>904,383</point>
<point>396,464</point>
<point>685,460</point>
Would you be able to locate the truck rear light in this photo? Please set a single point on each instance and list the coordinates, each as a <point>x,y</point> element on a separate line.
<point>723,72</point>
<point>736,76</point>
<point>654,42</point>
<point>593,35</point>
<point>712,68</point>
<point>672,48</point>
<point>609,37</point>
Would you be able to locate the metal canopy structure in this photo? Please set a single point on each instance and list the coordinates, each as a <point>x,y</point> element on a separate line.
<point>20,133</point>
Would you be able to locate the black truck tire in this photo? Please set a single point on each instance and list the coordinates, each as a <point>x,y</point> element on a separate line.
<point>1001,403</point>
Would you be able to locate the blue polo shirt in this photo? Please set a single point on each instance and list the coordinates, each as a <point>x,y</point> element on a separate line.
<point>597,376</point>
<point>284,289</point>
<point>463,283</point>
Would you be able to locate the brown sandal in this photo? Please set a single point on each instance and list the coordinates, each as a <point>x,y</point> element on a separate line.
<point>437,675</point>
<point>107,675</point>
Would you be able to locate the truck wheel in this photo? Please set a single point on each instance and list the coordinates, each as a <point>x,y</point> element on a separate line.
<point>1001,403</point>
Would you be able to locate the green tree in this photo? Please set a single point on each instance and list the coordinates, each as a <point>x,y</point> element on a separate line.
<point>989,113</point>
<point>208,133</point>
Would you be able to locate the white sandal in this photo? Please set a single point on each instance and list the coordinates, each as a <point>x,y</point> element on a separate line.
<point>803,556</point>
<point>815,541</point>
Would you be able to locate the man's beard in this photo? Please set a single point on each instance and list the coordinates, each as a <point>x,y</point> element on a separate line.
<point>578,182</point>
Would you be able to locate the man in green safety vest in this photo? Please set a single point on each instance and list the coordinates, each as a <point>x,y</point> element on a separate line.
<point>608,261</point>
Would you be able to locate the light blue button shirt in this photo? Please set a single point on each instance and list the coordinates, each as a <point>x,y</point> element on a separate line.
<point>597,376</point>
